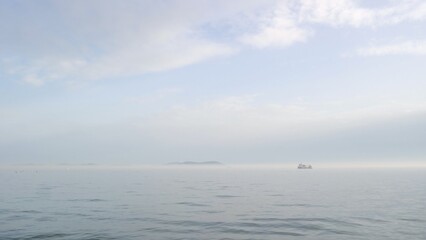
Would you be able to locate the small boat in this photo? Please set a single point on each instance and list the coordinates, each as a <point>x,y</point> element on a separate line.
<point>303,166</point>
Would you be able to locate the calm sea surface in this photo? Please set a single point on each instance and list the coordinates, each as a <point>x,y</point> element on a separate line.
<point>213,204</point>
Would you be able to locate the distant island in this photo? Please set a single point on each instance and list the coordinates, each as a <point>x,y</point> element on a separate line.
<point>195,163</point>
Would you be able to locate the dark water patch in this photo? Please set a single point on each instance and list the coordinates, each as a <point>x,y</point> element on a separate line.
<point>298,205</point>
<point>309,223</point>
<point>265,232</point>
<point>295,226</point>
<point>412,220</point>
<point>5,211</point>
<point>412,233</point>
<point>272,219</point>
<point>171,230</point>
<point>189,223</point>
<point>46,219</point>
<point>96,200</point>
<point>47,188</point>
<point>11,232</point>
<point>123,206</point>
<point>97,211</point>
<point>18,212</point>
<point>61,236</point>
<point>164,214</point>
<point>280,225</point>
<point>39,236</point>
<point>30,212</point>
<point>250,224</point>
<point>242,228</point>
<point>17,217</point>
<point>86,200</point>
<point>341,232</point>
<point>100,218</point>
<point>209,211</point>
<point>371,220</point>
<point>142,219</point>
<point>227,196</point>
<point>75,214</point>
<point>97,236</point>
<point>275,195</point>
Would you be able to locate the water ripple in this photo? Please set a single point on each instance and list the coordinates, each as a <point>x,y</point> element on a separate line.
<point>86,200</point>
<point>192,204</point>
<point>297,205</point>
<point>227,196</point>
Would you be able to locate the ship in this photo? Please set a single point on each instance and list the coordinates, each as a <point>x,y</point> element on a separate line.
<point>303,166</point>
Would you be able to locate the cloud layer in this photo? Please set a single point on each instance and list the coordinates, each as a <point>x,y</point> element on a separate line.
<point>404,48</point>
<point>233,129</point>
<point>79,40</point>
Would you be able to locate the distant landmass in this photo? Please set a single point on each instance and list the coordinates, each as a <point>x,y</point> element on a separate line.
<point>196,163</point>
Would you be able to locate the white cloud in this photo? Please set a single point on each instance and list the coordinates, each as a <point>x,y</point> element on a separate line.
<point>349,12</point>
<point>157,57</point>
<point>33,80</point>
<point>335,12</point>
<point>123,61</point>
<point>83,40</point>
<point>277,30</point>
<point>404,48</point>
<point>285,23</point>
<point>94,40</point>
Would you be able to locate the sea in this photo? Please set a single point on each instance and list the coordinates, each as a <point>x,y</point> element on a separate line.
<point>220,203</point>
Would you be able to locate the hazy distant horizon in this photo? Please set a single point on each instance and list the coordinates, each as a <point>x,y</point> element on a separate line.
<point>188,119</point>
<point>223,166</point>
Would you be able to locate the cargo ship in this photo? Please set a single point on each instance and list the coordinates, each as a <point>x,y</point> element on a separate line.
<point>303,166</point>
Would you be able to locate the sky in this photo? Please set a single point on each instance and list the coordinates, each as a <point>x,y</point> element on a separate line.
<point>242,81</point>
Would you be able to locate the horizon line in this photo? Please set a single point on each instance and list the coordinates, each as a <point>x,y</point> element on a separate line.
<point>322,166</point>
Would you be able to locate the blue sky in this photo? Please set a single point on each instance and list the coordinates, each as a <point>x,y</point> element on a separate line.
<point>147,82</point>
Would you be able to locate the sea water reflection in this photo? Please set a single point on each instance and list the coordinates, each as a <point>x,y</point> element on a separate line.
<point>213,204</point>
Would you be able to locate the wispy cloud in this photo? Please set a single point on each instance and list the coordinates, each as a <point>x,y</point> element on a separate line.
<point>349,12</point>
<point>46,41</point>
<point>277,29</point>
<point>287,22</point>
<point>94,40</point>
<point>33,80</point>
<point>403,48</point>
